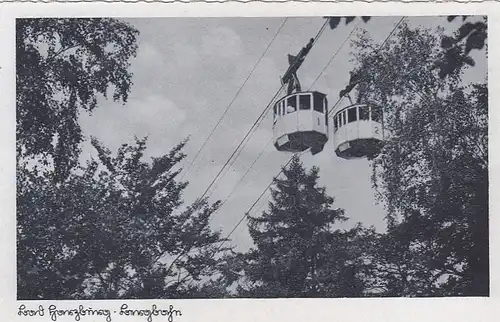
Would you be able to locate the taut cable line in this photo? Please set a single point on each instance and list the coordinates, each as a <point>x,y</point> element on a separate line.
<point>237,151</point>
<point>233,100</point>
<point>241,144</point>
<point>374,52</point>
<point>270,184</point>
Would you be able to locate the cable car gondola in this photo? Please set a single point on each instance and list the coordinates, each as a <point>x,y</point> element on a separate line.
<point>358,130</point>
<point>300,122</point>
<point>300,119</point>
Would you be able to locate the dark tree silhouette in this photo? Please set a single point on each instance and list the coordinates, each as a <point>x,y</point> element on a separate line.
<point>112,230</point>
<point>62,65</point>
<point>298,253</point>
<point>433,171</point>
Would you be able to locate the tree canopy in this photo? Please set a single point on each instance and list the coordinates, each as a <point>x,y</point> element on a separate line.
<point>433,170</point>
<point>62,65</point>
<point>298,252</point>
<point>113,227</point>
<point>455,50</point>
<point>113,230</point>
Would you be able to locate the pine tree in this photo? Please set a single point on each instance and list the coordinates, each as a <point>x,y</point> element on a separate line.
<point>297,253</point>
<point>113,230</point>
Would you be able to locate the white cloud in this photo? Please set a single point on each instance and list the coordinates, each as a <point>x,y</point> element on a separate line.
<point>149,55</point>
<point>154,116</point>
<point>223,43</point>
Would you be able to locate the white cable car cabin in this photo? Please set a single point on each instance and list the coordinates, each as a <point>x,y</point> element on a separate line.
<point>358,131</point>
<point>300,122</point>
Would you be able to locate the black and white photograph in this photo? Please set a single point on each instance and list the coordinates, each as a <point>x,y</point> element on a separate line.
<point>326,156</point>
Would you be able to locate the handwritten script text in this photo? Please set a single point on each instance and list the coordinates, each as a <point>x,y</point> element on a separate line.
<point>77,314</point>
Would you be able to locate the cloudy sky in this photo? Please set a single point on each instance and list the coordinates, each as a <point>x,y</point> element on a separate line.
<point>188,70</point>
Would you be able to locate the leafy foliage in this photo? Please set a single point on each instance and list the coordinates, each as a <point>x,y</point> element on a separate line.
<point>298,253</point>
<point>457,53</point>
<point>62,66</point>
<point>433,171</point>
<point>333,22</point>
<point>113,230</point>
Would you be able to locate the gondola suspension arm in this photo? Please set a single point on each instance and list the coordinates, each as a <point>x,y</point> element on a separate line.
<point>290,77</point>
